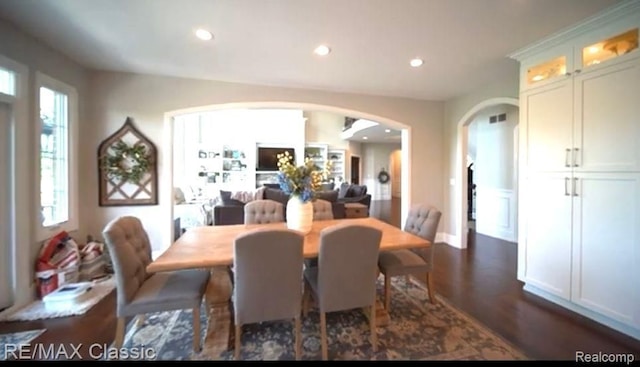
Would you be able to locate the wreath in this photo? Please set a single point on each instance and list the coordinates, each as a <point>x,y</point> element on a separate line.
<point>127,163</point>
<point>383,177</point>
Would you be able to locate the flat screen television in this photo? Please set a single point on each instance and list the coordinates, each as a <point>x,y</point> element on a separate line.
<point>267,159</point>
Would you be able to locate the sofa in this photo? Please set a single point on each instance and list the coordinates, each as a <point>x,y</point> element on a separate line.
<point>230,211</point>
<point>350,193</point>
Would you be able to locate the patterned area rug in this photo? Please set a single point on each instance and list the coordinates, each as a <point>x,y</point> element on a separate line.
<point>418,330</point>
<point>9,342</point>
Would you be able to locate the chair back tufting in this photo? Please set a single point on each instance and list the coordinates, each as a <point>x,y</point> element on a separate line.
<point>263,211</point>
<point>322,210</point>
<point>423,221</point>
<point>130,251</point>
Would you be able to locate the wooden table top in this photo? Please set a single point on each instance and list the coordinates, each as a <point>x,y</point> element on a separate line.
<point>209,246</point>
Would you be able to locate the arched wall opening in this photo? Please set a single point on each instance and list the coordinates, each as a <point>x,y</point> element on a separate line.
<point>168,145</point>
<point>461,171</point>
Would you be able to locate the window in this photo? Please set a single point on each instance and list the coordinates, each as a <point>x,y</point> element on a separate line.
<point>7,81</point>
<point>56,128</point>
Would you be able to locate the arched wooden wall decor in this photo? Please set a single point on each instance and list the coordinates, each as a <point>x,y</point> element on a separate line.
<point>127,168</point>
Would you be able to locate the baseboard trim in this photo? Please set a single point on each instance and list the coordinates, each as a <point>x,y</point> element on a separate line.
<point>616,325</point>
<point>449,239</point>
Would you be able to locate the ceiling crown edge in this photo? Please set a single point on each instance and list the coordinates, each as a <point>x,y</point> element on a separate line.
<point>625,9</point>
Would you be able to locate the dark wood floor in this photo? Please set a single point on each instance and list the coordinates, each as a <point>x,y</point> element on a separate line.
<point>480,280</point>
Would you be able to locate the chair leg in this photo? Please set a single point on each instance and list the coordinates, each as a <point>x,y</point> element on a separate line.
<point>306,298</point>
<point>372,325</point>
<point>120,329</point>
<point>430,288</point>
<point>298,339</point>
<point>323,335</point>
<point>387,292</point>
<point>196,329</point>
<point>236,352</point>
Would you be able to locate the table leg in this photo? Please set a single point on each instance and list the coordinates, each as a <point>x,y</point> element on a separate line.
<point>218,301</point>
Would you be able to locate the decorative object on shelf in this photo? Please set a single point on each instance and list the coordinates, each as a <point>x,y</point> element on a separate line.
<point>301,184</point>
<point>383,176</point>
<point>127,168</point>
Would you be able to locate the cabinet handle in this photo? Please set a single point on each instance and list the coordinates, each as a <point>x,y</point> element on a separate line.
<point>575,191</point>
<point>566,157</point>
<point>577,71</point>
<point>566,186</point>
<point>567,74</point>
<point>575,157</point>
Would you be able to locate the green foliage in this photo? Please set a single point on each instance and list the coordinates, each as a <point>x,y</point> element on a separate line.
<point>303,181</point>
<point>115,166</point>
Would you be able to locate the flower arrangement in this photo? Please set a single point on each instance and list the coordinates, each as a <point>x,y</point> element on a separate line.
<point>302,181</point>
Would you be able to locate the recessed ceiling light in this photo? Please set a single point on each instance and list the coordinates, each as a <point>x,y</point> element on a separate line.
<point>203,34</point>
<point>416,62</point>
<point>594,49</point>
<point>365,138</point>
<point>387,130</point>
<point>322,50</point>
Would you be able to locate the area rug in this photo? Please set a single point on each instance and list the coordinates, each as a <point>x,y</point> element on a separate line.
<point>418,330</point>
<point>13,340</point>
<point>38,310</point>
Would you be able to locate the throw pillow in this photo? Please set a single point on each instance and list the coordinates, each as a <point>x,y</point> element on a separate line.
<point>225,196</point>
<point>343,191</point>
<point>276,195</point>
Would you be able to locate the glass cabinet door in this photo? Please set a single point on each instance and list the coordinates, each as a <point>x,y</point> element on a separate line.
<point>547,70</point>
<point>610,48</point>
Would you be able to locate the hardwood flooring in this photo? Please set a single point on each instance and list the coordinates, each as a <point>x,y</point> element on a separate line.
<point>480,280</point>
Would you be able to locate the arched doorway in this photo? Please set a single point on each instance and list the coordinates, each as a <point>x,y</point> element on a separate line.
<point>461,167</point>
<point>167,172</point>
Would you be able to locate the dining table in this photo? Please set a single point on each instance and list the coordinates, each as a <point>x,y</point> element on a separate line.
<point>211,247</point>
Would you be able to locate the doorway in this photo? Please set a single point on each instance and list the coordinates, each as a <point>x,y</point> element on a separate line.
<point>355,170</point>
<point>6,230</point>
<point>396,173</point>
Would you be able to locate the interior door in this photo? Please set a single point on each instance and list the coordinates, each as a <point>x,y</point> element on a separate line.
<point>6,273</point>
<point>355,170</point>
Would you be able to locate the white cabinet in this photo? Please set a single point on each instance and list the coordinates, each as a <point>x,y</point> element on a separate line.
<point>607,118</point>
<point>605,274</point>
<point>579,240</point>
<point>547,234</point>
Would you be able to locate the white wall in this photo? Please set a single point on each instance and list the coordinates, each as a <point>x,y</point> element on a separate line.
<point>376,156</point>
<point>147,98</point>
<point>496,199</point>
<point>36,56</point>
<point>455,109</point>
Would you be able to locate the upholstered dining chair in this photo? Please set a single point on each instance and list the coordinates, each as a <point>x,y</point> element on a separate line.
<point>263,211</point>
<point>139,292</point>
<point>345,277</point>
<point>422,221</point>
<point>267,279</point>
<point>322,210</point>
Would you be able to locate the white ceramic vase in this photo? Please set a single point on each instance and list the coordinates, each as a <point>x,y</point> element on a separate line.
<point>299,215</point>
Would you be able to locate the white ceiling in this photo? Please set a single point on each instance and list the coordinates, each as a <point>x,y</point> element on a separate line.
<point>464,42</point>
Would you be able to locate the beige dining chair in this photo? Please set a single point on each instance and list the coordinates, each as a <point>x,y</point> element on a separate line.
<point>322,210</point>
<point>267,280</point>
<point>345,277</point>
<point>422,221</point>
<point>263,211</point>
<point>139,292</point>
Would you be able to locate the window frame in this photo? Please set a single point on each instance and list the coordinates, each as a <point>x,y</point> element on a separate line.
<point>72,224</point>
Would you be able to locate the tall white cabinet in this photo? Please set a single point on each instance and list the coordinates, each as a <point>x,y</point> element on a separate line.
<point>579,233</point>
